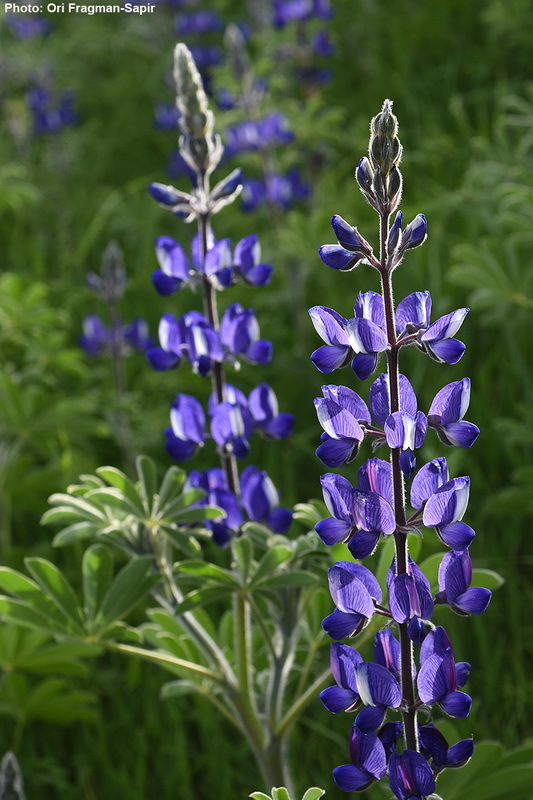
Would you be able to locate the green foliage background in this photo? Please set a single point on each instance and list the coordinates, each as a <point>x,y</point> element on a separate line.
<point>461,81</point>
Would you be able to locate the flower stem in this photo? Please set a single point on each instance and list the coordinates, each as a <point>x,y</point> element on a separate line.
<point>400,538</point>
<point>218,377</point>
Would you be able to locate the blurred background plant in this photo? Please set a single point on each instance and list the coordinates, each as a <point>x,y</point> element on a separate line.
<point>459,75</point>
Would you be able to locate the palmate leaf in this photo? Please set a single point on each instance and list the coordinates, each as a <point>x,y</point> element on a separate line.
<point>129,587</point>
<point>97,575</point>
<point>57,588</point>
<point>125,486</point>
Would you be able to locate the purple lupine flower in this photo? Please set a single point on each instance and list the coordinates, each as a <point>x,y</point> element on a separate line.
<point>410,776</point>
<point>345,696</point>
<point>278,190</point>
<point>260,500</point>
<point>239,333</point>
<point>369,762</point>
<point>198,22</point>
<point>351,250</point>
<point>96,337</point>
<point>322,44</point>
<point>201,341</point>
<point>286,11</point>
<point>214,483</point>
<point>439,676</point>
<point>407,432</point>
<point>253,135</point>
<point>427,480</point>
<point>231,428</point>
<point>337,492</point>
<point>246,262</point>
<point>414,235</point>
<point>187,432</point>
<point>455,577</point>
<point>206,55</point>
<point>387,651</point>
<point>412,317</point>
<point>170,352</point>
<point>174,266</point>
<point>263,405</point>
<point>446,415</point>
<point>137,335</point>
<point>434,746</point>
<point>444,511</point>
<point>166,117</point>
<point>368,305</point>
<point>409,593</point>
<point>354,590</point>
<point>49,117</point>
<point>28,25</point>
<point>340,412</point>
<point>345,340</point>
<point>379,690</point>
<point>379,398</point>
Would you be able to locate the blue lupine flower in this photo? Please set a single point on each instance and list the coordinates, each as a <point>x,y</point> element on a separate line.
<point>409,593</point>
<point>455,577</point>
<point>345,340</point>
<point>379,398</point>
<point>407,432</point>
<point>50,117</point>
<point>352,249</point>
<point>231,428</point>
<point>427,480</point>
<point>187,432</point>
<point>445,508</point>
<point>239,332</point>
<point>387,651</point>
<point>446,415</point>
<point>353,589</point>
<point>246,262</point>
<point>253,135</point>
<point>286,11</point>
<point>191,335</point>
<point>166,117</point>
<point>214,483</point>
<point>97,339</point>
<point>379,690</point>
<point>434,746</point>
<point>337,492</point>
<point>369,762</point>
<point>260,500</point>
<point>263,406</point>
<point>410,776</point>
<point>206,55</point>
<point>322,45</point>
<point>414,235</point>
<point>439,676</point>
<point>340,412</point>
<point>174,266</point>
<point>345,696</point>
<point>278,190</point>
<point>28,25</point>
<point>412,316</point>
<point>198,22</point>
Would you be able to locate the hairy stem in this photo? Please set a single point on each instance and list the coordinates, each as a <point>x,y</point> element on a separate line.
<point>218,377</point>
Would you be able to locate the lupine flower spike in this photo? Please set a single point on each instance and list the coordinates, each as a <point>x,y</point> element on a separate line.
<point>214,341</point>
<point>409,754</point>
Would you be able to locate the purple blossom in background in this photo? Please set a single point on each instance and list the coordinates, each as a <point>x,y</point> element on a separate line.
<point>51,114</point>
<point>278,190</point>
<point>28,26</point>
<point>374,507</point>
<point>198,22</point>
<point>258,134</point>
